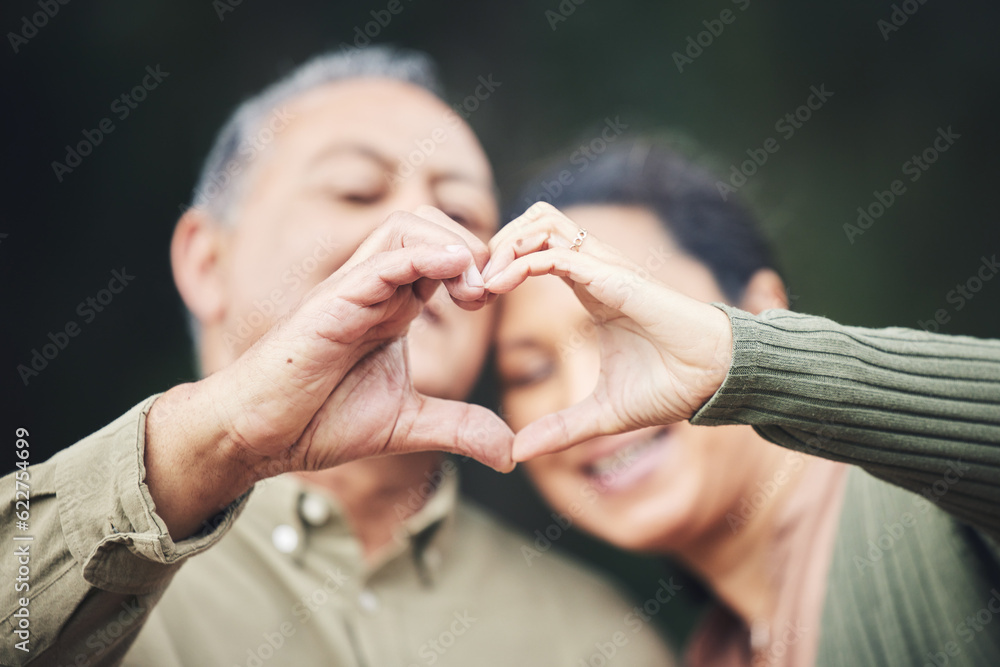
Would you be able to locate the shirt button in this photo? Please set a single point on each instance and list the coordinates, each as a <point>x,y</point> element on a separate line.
<point>314,509</point>
<point>285,539</point>
<point>368,601</point>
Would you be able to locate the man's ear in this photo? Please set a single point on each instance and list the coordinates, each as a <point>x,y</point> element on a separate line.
<point>765,290</point>
<point>196,260</point>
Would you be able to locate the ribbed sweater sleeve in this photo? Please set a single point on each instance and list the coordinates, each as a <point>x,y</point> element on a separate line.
<point>916,409</point>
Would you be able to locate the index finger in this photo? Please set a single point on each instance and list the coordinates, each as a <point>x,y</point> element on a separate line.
<point>480,252</point>
<point>403,229</point>
<point>541,227</point>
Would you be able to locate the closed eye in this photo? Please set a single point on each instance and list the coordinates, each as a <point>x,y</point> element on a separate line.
<point>526,377</point>
<point>363,198</point>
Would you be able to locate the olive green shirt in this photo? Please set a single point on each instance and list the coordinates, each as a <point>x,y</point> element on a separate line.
<point>915,573</point>
<point>287,583</point>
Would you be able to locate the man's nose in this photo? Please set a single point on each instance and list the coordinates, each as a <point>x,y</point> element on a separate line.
<point>412,192</point>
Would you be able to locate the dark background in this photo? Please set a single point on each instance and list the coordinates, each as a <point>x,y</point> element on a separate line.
<point>63,239</point>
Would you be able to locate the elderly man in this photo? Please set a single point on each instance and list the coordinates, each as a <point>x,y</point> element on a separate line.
<point>303,278</point>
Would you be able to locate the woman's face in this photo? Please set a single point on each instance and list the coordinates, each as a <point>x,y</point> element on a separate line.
<point>656,489</point>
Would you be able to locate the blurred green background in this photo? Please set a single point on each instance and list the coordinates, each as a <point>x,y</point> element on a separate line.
<point>941,68</point>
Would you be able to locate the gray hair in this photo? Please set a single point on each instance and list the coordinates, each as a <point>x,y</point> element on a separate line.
<point>223,175</point>
<point>222,178</point>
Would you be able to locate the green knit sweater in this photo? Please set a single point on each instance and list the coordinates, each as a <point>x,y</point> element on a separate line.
<point>915,574</point>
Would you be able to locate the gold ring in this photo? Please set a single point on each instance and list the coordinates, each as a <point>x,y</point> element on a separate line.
<point>578,241</point>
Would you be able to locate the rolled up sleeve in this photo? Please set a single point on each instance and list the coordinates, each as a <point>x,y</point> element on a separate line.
<point>100,556</point>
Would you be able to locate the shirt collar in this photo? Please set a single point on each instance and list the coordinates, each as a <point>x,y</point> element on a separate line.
<point>426,532</point>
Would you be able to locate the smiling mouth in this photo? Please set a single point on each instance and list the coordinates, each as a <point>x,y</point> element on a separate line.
<point>630,463</point>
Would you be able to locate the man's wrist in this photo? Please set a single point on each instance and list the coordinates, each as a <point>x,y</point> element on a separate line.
<point>193,468</point>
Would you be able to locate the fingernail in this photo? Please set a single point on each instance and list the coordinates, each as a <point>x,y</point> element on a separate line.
<point>472,277</point>
<point>454,248</point>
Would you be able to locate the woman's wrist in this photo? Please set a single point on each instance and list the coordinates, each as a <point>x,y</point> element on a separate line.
<point>718,330</point>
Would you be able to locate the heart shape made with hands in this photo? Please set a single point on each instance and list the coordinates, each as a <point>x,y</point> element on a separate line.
<point>663,355</point>
<point>330,381</point>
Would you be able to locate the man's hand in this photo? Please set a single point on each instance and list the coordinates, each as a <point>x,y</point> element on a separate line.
<point>328,384</point>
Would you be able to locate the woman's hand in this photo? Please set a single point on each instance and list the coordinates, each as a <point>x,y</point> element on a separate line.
<point>663,355</point>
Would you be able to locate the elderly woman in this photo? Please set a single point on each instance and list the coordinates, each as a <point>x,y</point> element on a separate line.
<point>865,537</point>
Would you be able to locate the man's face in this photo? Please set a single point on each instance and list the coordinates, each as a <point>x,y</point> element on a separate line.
<point>352,153</point>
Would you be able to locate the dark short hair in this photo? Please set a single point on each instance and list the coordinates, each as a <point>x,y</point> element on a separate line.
<point>721,234</point>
